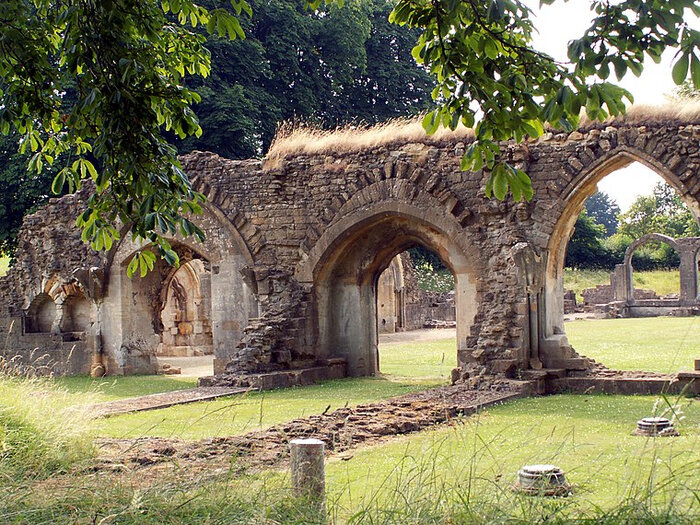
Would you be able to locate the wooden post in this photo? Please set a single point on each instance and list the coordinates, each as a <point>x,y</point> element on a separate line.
<point>308,473</point>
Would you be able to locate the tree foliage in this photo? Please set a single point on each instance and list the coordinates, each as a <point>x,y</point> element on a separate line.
<point>329,68</point>
<point>661,212</point>
<point>99,83</point>
<point>22,190</point>
<point>604,210</point>
<point>489,75</point>
<point>585,248</point>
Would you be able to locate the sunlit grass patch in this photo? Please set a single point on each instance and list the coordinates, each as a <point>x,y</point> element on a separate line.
<point>111,388</point>
<point>469,467</point>
<point>254,410</point>
<point>39,434</point>
<point>663,282</point>
<point>659,344</point>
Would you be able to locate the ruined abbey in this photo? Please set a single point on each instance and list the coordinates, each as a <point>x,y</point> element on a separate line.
<point>284,288</point>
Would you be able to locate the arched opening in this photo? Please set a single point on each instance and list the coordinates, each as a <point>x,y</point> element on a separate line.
<point>168,316</point>
<point>348,275</point>
<point>41,314</point>
<point>636,257</point>
<point>78,314</point>
<point>138,315</point>
<point>612,296</point>
<point>186,312</point>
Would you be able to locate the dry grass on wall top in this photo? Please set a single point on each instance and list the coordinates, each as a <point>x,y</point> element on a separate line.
<point>307,140</point>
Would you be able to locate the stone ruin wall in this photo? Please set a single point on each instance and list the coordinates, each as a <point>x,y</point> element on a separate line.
<point>285,210</point>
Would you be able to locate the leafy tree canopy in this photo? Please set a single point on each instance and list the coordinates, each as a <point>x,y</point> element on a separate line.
<point>585,248</point>
<point>489,75</point>
<point>22,190</point>
<point>604,210</point>
<point>329,68</point>
<point>661,212</point>
<point>125,61</point>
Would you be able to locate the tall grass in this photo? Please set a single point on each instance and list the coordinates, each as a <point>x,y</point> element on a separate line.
<point>459,476</point>
<point>39,435</point>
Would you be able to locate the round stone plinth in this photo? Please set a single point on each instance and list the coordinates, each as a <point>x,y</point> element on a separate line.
<point>655,426</point>
<point>542,480</point>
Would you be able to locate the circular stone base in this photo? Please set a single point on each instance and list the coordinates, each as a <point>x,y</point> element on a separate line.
<point>542,480</point>
<point>655,426</point>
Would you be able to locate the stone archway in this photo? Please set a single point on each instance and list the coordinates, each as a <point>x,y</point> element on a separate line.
<point>132,324</point>
<point>574,196</point>
<point>186,311</point>
<point>345,265</point>
<point>41,314</point>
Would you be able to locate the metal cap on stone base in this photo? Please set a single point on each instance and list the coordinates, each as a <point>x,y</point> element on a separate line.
<point>655,426</point>
<point>542,480</point>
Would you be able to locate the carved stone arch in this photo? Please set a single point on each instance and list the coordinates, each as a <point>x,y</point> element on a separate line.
<point>132,328</point>
<point>629,252</point>
<point>401,189</point>
<point>343,266</point>
<point>574,195</point>
<point>390,197</point>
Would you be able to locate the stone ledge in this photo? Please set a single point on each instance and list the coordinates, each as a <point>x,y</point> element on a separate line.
<point>334,369</point>
<point>685,382</point>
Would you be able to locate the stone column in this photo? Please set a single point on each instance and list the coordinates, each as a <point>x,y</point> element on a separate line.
<point>689,278</point>
<point>308,472</point>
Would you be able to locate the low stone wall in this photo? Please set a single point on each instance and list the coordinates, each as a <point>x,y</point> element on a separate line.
<point>43,353</point>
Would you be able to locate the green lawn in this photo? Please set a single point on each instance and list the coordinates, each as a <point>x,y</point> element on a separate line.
<point>427,361</point>
<point>4,265</point>
<point>663,282</point>
<point>588,436</point>
<point>115,387</point>
<point>659,344</point>
<point>460,473</point>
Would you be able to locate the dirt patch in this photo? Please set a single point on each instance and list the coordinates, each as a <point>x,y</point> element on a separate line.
<point>342,429</point>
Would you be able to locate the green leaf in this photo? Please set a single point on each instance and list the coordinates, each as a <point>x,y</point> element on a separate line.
<point>680,70</point>
<point>500,182</point>
<point>58,182</point>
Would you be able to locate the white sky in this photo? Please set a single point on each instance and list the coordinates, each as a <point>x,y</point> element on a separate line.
<point>561,22</point>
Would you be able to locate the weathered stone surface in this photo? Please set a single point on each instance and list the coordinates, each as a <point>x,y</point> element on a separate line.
<point>295,246</point>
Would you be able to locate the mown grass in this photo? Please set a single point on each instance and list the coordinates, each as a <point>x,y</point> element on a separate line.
<point>588,436</point>
<point>423,361</point>
<point>4,265</point>
<point>112,388</point>
<point>456,474</point>
<point>663,282</point>
<point>659,344</point>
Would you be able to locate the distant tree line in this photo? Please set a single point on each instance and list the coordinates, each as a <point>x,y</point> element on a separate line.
<point>602,234</point>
